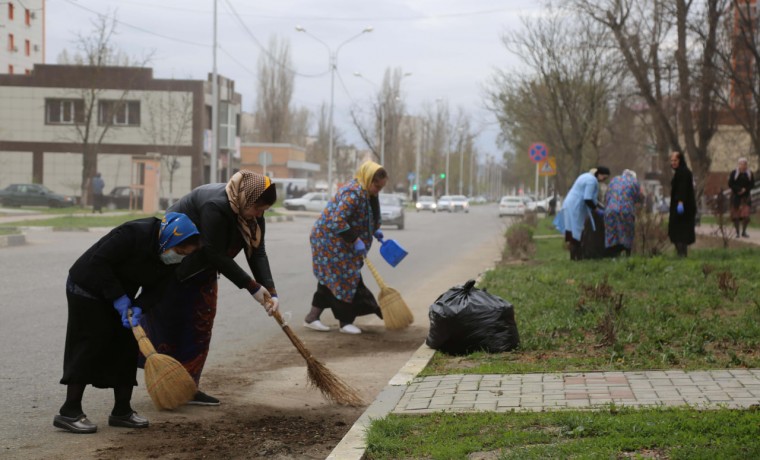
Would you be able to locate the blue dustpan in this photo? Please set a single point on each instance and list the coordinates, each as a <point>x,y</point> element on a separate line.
<point>392,252</point>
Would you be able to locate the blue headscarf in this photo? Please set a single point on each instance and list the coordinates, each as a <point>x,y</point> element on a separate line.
<point>175,228</point>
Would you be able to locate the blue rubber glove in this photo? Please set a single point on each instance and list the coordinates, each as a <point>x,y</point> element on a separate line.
<point>136,317</point>
<point>360,248</point>
<point>599,211</point>
<point>122,305</point>
<point>679,208</point>
<point>379,235</point>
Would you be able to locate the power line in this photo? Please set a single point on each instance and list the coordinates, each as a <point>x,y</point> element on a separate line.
<point>266,51</point>
<point>149,32</point>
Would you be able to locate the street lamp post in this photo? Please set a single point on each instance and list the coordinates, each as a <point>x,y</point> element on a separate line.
<point>461,158</point>
<point>333,61</point>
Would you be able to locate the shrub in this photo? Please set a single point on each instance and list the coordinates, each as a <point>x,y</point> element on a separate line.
<point>520,243</point>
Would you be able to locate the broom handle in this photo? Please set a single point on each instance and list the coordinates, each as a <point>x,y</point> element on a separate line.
<point>289,332</point>
<point>372,268</point>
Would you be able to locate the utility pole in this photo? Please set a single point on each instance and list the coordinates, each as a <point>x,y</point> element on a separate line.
<point>213,158</point>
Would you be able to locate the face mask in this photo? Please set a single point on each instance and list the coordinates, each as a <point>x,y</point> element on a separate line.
<point>170,257</point>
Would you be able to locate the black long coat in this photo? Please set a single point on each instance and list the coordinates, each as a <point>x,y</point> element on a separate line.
<point>98,349</point>
<point>209,208</point>
<point>681,226</point>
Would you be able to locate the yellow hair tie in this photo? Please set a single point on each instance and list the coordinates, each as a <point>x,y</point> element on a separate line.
<point>267,182</point>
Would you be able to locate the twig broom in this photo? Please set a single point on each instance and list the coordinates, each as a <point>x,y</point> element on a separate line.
<point>168,383</point>
<point>396,313</point>
<point>319,376</point>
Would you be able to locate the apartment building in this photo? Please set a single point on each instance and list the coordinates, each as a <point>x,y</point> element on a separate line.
<point>22,35</point>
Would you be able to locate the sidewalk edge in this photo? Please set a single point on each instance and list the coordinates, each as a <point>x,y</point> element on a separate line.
<point>353,444</point>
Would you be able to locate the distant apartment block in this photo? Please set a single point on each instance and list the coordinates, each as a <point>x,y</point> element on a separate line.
<point>22,35</point>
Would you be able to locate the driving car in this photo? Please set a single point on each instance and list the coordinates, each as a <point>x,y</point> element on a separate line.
<point>391,210</point>
<point>454,203</point>
<point>511,206</point>
<point>312,201</point>
<point>426,203</point>
<point>33,195</point>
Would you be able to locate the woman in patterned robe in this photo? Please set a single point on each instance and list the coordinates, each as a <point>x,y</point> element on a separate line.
<point>623,193</point>
<point>340,239</point>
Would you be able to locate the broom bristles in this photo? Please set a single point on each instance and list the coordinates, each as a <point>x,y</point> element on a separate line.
<point>167,381</point>
<point>318,375</point>
<point>396,313</point>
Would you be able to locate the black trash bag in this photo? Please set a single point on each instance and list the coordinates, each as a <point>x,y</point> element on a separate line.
<point>465,319</point>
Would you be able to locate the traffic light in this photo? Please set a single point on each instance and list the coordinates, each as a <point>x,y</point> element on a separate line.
<point>443,175</point>
<point>414,187</point>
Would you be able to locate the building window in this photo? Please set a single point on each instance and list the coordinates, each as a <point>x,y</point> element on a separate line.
<point>119,113</point>
<point>64,111</point>
<point>10,69</point>
<point>27,47</point>
<point>10,11</point>
<point>27,72</point>
<point>27,17</point>
<point>11,43</point>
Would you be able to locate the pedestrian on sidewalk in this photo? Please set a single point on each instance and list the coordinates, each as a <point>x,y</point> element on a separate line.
<point>98,184</point>
<point>580,203</point>
<point>683,205</point>
<point>340,239</point>
<point>230,218</point>
<point>741,181</point>
<point>100,348</point>
<point>623,193</point>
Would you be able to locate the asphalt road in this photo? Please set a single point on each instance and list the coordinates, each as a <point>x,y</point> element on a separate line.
<point>33,309</point>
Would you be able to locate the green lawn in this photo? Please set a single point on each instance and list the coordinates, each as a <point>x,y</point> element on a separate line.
<point>702,312</point>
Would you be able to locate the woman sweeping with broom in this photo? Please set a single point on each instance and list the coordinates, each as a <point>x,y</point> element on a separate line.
<point>230,218</point>
<point>340,239</point>
<point>100,347</point>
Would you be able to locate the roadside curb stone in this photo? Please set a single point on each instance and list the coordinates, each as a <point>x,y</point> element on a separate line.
<point>18,239</point>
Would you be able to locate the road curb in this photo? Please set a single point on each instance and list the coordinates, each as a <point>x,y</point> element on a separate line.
<point>353,444</point>
<point>12,240</point>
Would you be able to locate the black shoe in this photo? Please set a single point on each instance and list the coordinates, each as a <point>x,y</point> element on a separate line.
<point>202,399</point>
<point>744,235</point>
<point>79,424</point>
<point>132,420</point>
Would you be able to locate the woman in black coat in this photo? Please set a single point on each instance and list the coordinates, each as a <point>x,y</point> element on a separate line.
<point>741,181</point>
<point>230,218</point>
<point>101,289</point>
<point>683,205</point>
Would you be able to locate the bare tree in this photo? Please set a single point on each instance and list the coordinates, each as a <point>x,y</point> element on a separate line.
<point>564,99</point>
<point>274,92</point>
<point>170,124</point>
<point>645,32</point>
<point>95,117</point>
<point>739,65</point>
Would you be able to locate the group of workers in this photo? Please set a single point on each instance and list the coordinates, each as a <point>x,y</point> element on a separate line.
<point>162,274</point>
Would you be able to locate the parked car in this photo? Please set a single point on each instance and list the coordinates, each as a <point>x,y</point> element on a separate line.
<point>125,197</point>
<point>426,203</point>
<point>512,206</point>
<point>453,203</point>
<point>480,199</point>
<point>33,195</point>
<point>543,205</point>
<point>530,202</point>
<point>391,210</point>
<point>312,201</point>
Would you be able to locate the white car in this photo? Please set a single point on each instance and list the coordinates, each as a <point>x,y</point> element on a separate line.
<point>512,206</point>
<point>426,203</point>
<point>453,203</point>
<point>312,201</point>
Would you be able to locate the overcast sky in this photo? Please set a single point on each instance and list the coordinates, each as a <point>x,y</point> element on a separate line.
<point>451,47</point>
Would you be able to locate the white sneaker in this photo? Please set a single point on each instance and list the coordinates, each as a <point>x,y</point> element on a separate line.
<point>350,329</point>
<point>316,325</point>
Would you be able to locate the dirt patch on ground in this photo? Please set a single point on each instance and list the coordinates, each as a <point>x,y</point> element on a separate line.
<point>268,409</point>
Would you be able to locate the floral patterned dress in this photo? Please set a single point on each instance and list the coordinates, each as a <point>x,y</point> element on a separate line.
<point>334,262</point>
<point>620,213</point>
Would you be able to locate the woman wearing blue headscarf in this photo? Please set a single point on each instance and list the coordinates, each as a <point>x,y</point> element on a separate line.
<point>101,289</point>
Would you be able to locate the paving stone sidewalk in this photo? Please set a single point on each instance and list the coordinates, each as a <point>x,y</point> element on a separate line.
<point>734,388</point>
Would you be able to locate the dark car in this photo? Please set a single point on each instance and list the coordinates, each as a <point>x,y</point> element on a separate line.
<point>33,195</point>
<point>391,210</point>
<point>123,197</point>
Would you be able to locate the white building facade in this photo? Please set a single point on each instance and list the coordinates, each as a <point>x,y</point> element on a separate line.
<point>22,36</point>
